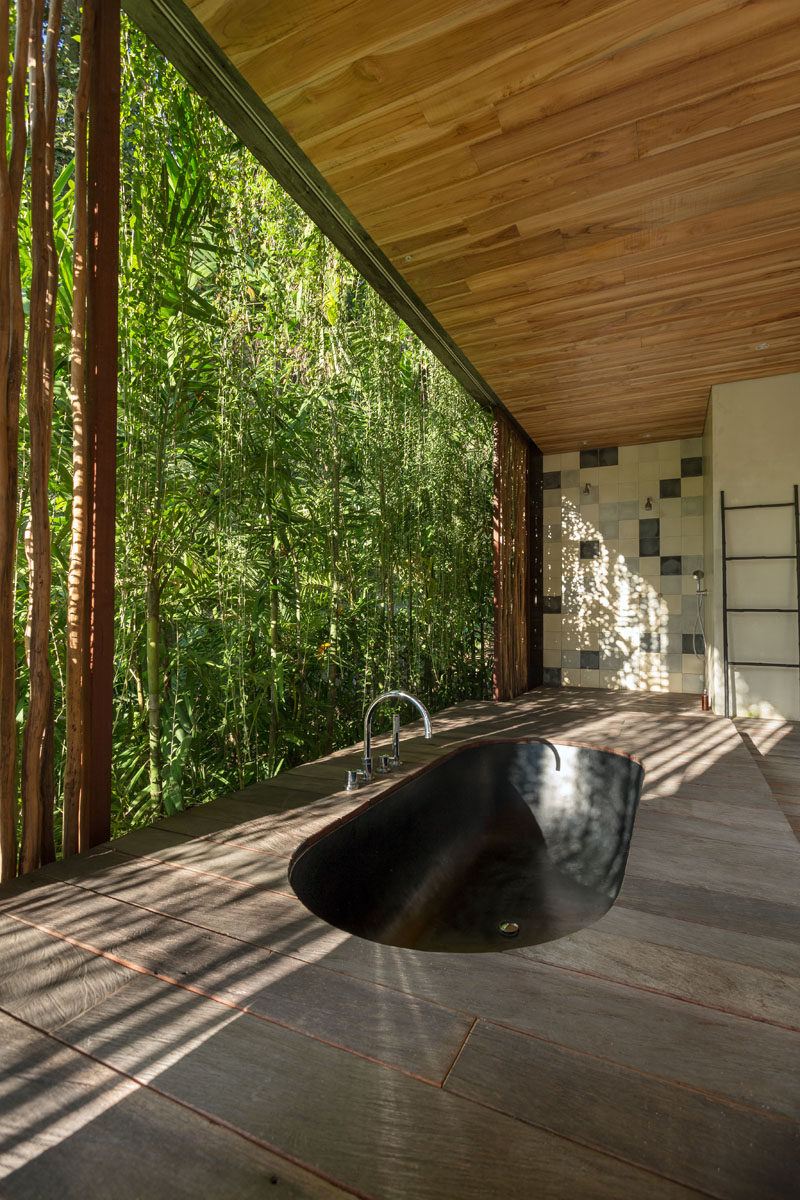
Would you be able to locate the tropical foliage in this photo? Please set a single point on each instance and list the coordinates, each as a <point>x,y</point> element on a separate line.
<point>303,491</point>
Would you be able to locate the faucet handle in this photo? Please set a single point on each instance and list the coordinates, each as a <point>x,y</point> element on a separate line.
<point>385,764</point>
<point>353,780</point>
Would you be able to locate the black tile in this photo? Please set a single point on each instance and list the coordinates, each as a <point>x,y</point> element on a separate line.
<point>608,456</point>
<point>691,466</point>
<point>590,458</point>
<point>550,480</point>
<point>669,488</point>
<point>551,604</point>
<point>590,660</point>
<point>590,549</point>
<point>650,642</point>
<point>693,643</point>
<point>551,677</point>
<point>649,547</point>
<point>649,527</point>
<point>671,565</point>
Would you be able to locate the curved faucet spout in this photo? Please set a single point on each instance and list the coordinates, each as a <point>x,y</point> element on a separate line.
<point>544,742</point>
<point>367,764</point>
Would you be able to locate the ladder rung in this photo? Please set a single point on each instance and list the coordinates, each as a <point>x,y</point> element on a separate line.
<point>742,663</point>
<point>763,610</point>
<point>786,504</point>
<point>752,557</point>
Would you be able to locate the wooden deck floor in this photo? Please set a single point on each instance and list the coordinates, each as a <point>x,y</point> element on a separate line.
<point>174,1023</point>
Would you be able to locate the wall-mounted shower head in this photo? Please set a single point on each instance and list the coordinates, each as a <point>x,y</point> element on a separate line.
<point>698,576</point>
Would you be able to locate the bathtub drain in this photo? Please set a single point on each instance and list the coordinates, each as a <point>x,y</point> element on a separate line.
<point>509,928</point>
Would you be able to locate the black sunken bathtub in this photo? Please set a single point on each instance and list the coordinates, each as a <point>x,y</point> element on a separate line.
<point>499,844</point>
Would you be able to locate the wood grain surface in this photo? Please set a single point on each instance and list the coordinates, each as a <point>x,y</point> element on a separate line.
<point>654,1053</point>
<point>598,201</point>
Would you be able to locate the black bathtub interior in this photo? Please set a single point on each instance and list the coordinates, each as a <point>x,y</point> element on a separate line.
<point>498,844</point>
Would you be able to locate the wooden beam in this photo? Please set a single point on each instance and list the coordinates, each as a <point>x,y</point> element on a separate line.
<point>535,568</point>
<point>172,27</point>
<point>102,338</point>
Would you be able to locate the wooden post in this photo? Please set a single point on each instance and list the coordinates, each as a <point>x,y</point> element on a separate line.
<point>101,356</point>
<point>536,567</point>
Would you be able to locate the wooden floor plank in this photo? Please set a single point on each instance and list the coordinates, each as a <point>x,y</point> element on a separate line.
<point>731,986</point>
<point>411,1034</point>
<point>675,1004</point>
<point>47,981</point>
<point>74,1129</point>
<point>720,1148</point>
<point>381,1132</point>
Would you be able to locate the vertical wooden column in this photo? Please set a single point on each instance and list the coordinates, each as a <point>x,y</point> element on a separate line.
<point>535,567</point>
<point>499,687</point>
<point>101,356</point>
<point>517,562</point>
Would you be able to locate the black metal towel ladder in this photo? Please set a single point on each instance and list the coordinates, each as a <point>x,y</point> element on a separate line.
<point>726,558</point>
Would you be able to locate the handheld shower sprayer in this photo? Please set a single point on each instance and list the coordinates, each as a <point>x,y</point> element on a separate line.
<point>698,577</point>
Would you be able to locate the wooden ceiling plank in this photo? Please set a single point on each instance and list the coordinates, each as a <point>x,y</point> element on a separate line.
<point>717,33</point>
<point>577,254</point>
<point>721,157</point>
<point>560,167</point>
<point>580,44</point>
<point>420,147</point>
<point>369,82</point>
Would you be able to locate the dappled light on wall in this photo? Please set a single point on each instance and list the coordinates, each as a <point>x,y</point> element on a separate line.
<point>619,597</point>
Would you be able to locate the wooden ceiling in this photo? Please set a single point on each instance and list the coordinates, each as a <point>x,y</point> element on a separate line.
<point>598,199</point>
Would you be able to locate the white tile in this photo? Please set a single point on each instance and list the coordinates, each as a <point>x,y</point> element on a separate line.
<point>691,665</point>
<point>569,461</point>
<point>671,527</point>
<point>552,641</point>
<point>676,683</point>
<point>590,678</point>
<point>609,679</point>
<point>609,491</point>
<point>648,452</point>
<point>648,471</point>
<point>674,604</point>
<point>692,486</point>
<point>570,496</point>
<point>629,547</point>
<point>650,566</point>
<point>692,526</point>
<point>628,472</point>
<point>691,447</point>
<point>669,451</point>
<point>692,545</point>
<point>551,658</point>
<point>570,676</point>
<point>671,545</point>
<point>590,515</point>
<point>551,622</point>
<point>669,468</point>
<point>551,462</point>
<point>570,640</point>
<point>693,684</point>
<point>629,529</point>
<point>590,475</point>
<point>627,455</point>
<point>628,491</point>
<point>551,516</point>
<point>670,507</point>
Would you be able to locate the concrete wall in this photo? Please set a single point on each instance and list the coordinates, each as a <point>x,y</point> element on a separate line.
<point>751,451</point>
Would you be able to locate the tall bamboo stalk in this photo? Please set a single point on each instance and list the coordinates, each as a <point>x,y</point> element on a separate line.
<point>77,580</point>
<point>37,743</point>
<point>12,336</point>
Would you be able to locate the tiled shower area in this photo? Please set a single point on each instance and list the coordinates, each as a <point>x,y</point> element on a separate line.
<point>623,533</point>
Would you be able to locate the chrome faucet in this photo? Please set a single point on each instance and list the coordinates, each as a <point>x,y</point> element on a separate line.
<point>354,778</point>
<point>544,742</point>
